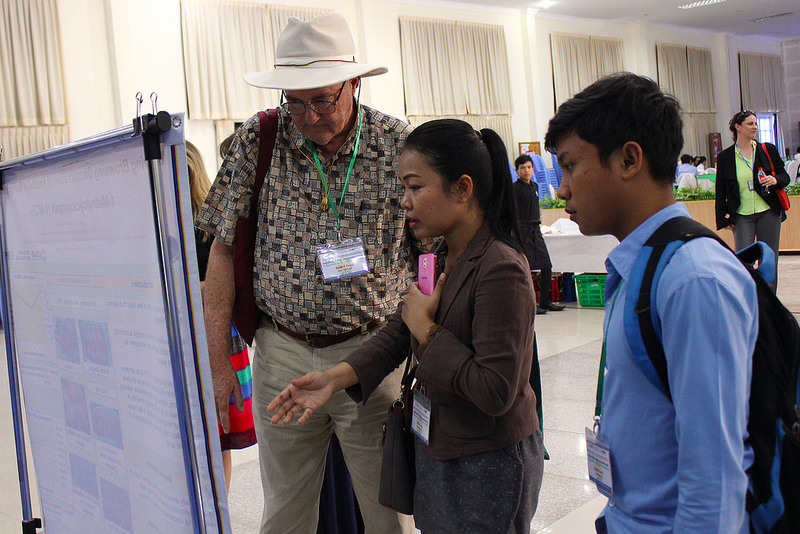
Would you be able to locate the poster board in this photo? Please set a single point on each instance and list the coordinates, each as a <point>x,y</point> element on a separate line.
<point>528,147</point>
<point>103,296</point>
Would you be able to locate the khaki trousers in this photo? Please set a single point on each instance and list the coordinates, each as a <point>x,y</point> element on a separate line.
<point>292,457</point>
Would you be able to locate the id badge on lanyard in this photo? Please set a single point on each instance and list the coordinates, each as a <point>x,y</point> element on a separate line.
<point>342,259</point>
<point>421,415</point>
<point>598,454</point>
<point>598,450</point>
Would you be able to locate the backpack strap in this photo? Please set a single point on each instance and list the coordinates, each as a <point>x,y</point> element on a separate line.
<point>759,252</point>
<point>268,121</point>
<point>641,322</point>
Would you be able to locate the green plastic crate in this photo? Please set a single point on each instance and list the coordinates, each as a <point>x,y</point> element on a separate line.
<point>591,287</point>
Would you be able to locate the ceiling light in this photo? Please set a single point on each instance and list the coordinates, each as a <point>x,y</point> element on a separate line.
<point>699,3</point>
<point>772,16</point>
<point>544,4</point>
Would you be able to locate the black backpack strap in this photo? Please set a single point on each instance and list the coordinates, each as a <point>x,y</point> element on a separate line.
<point>682,228</point>
<point>642,326</point>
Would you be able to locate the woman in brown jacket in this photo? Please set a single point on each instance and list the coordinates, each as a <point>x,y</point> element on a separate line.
<point>479,453</point>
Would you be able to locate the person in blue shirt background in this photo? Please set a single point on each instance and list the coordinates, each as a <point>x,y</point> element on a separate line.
<point>686,166</point>
<point>675,466</point>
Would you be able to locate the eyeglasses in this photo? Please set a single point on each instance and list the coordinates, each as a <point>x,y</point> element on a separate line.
<point>745,113</point>
<point>323,107</point>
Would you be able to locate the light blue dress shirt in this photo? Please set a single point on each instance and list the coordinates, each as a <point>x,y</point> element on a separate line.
<point>684,168</point>
<point>680,466</point>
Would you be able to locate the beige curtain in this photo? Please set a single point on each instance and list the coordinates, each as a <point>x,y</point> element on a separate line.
<point>221,43</point>
<point>279,17</point>
<point>31,84</point>
<point>673,72</point>
<point>701,88</point>
<point>499,123</point>
<point>224,40</point>
<point>696,127</point>
<point>22,140</point>
<point>607,54</point>
<point>580,60</point>
<point>686,73</point>
<point>458,70</point>
<point>761,82</point>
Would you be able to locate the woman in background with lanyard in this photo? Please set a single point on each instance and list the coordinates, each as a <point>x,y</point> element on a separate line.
<point>746,201</point>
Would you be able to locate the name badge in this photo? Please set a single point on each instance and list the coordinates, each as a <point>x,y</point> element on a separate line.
<point>599,456</point>
<point>750,185</point>
<point>421,416</point>
<point>340,260</point>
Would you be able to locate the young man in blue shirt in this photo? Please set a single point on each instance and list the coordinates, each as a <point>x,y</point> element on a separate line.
<point>676,466</point>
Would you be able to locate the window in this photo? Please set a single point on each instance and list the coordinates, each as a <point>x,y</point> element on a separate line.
<point>767,128</point>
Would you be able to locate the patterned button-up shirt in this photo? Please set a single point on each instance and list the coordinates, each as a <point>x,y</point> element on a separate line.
<point>288,281</point>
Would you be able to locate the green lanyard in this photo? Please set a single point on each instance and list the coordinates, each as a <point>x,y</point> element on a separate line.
<point>602,374</point>
<point>347,180</point>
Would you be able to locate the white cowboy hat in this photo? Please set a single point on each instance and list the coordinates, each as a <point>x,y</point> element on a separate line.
<point>312,54</point>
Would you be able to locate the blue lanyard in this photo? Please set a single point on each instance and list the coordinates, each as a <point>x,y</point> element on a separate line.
<point>750,162</point>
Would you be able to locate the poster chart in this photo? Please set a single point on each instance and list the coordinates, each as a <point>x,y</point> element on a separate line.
<point>118,418</point>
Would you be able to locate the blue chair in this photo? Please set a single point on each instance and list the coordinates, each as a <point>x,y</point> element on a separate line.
<point>540,174</point>
<point>556,168</point>
<point>552,178</point>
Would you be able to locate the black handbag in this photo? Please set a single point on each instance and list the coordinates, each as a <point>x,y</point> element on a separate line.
<point>398,475</point>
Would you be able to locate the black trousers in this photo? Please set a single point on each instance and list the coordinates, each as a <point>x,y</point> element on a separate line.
<point>538,258</point>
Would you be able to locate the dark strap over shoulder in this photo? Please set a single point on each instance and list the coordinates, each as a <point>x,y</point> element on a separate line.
<point>245,313</point>
<point>662,244</point>
<point>682,228</point>
<point>268,121</point>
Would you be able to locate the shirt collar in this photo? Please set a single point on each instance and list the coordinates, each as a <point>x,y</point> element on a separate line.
<point>624,255</point>
<point>738,151</point>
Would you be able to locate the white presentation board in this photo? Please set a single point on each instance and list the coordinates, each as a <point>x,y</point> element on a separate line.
<point>118,419</point>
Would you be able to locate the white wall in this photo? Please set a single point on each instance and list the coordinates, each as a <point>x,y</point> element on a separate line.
<point>114,48</point>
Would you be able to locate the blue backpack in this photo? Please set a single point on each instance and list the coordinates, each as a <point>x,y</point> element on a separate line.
<point>773,497</point>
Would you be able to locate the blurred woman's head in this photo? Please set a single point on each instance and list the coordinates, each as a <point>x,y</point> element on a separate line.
<point>199,183</point>
<point>744,124</point>
<point>470,170</point>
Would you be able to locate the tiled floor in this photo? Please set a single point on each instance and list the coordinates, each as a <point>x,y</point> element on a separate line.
<point>569,347</point>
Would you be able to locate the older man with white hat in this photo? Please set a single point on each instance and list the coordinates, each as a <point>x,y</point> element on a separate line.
<point>331,192</point>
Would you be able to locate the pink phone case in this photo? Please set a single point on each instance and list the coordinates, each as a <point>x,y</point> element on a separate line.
<point>427,273</point>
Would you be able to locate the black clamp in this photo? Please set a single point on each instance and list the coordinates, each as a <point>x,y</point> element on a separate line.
<point>29,527</point>
<point>150,126</point>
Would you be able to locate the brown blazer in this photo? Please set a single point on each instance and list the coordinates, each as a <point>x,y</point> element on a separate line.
<point>476,370</point>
